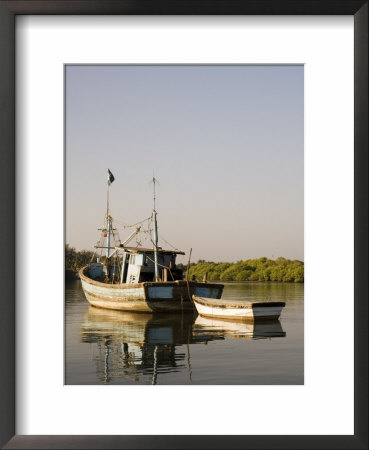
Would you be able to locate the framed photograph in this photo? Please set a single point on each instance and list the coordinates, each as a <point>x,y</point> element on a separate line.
<point>250,120</point>
<point>144,313</point>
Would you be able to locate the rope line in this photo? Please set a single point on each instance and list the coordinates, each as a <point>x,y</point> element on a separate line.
<point>124,225</point>
<point>170,245</point>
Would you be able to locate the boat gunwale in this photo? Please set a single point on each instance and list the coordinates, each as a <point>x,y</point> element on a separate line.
<point>87,279</point>
<point>231,304</point>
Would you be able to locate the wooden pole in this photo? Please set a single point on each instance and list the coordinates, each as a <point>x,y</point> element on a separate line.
<point>187,273</point>
<point>188,265</point>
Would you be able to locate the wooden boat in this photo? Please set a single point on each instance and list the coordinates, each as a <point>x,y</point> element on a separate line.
<point>139,279</point>
<point>240,310</point>
<point>146,296</point>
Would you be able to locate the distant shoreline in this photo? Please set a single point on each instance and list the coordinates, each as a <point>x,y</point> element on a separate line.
<point>255,270</point>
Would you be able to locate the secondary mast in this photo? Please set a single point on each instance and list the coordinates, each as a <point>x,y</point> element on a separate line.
<point>155,240</point>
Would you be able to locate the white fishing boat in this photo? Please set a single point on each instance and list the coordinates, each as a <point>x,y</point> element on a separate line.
<point>130,278</point>
<point>240,309</point>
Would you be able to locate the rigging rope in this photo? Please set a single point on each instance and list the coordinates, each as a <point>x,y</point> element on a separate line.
<point>124,225</point>
<point>170,245</point>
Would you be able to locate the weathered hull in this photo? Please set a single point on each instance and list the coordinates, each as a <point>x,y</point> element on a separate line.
<point>250,311</point>
<point>146,296</point>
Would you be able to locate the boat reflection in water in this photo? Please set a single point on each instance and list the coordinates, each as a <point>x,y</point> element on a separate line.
<point>221,328</point>
<point>138,345</point>
<point>141,346</point>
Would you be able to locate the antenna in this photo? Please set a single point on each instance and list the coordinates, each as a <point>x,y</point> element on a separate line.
<point>154,181</point>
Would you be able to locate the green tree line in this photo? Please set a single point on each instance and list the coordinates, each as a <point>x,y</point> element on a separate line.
<point>75,260</point>
<point>261,269</point>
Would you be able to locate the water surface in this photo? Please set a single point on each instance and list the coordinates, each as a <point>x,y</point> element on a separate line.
<point>115,347</point>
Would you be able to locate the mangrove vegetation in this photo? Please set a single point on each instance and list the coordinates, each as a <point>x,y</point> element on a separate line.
<point>74,260</point>
<point>261,269</point>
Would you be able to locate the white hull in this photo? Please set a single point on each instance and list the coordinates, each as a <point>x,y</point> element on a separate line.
<point>238,310</point>
<point>125,300</point>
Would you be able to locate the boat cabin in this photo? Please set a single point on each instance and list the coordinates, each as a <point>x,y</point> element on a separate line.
<point>136,264</point>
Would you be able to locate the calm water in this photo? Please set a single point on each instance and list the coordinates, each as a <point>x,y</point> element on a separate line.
<point>113,347</point>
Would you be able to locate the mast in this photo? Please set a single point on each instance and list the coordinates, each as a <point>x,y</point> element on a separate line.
<point>108,218</point>
<point>155,240</point>
<point>108,237</point>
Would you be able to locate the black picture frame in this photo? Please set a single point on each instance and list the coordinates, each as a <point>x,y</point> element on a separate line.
<point>8,11</point>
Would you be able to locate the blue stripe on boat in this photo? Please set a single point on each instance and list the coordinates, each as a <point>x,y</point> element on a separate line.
<point>160,292</point>
<point>206,292</point>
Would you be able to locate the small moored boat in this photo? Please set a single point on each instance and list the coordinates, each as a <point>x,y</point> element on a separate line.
<point>241,310</point>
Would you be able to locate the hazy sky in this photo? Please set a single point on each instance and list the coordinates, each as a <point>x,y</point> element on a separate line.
<point>225,142</point>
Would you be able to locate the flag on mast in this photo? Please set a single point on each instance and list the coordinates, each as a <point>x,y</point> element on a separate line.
<point>110,178</point>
